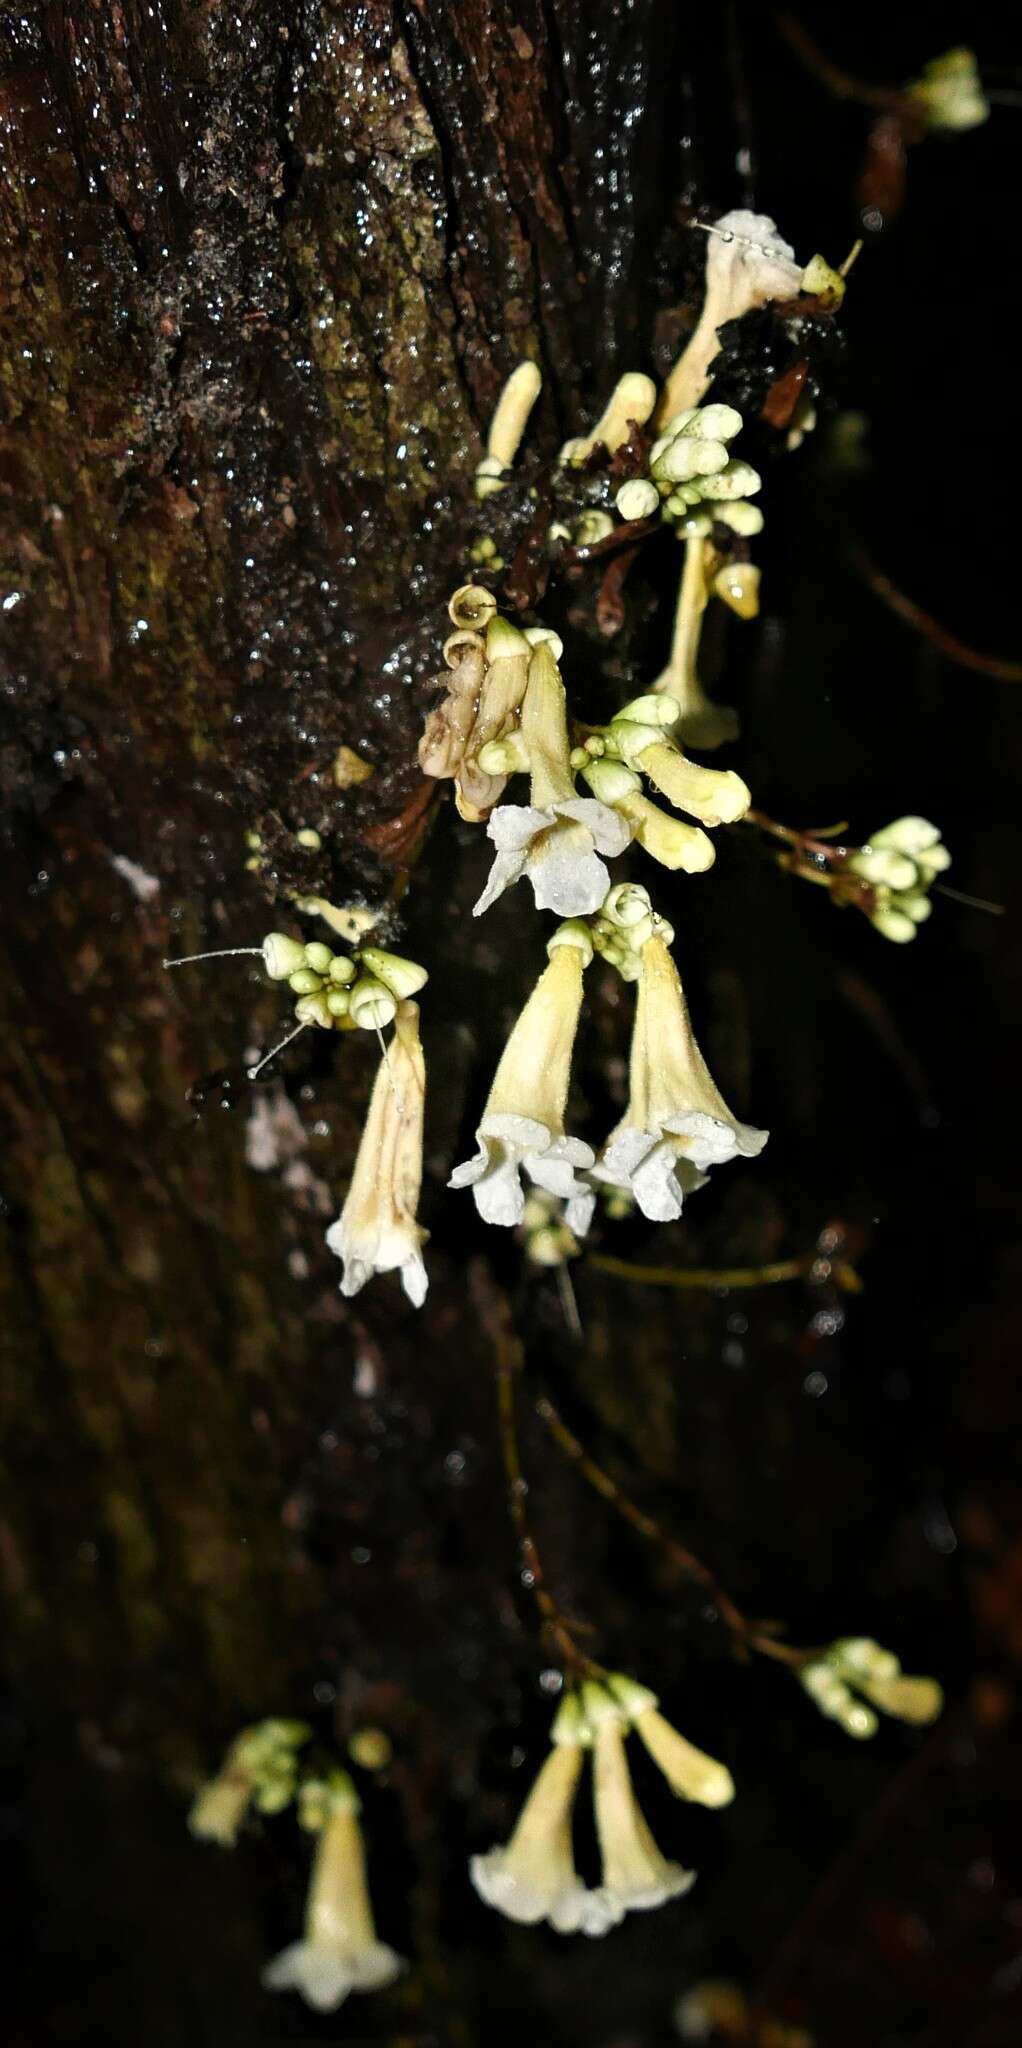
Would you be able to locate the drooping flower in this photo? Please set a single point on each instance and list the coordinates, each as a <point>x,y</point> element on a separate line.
<point>690,1773</point>
<point>636,1876</point>
<point>677,1123</point>
<point>533,1877</point>
<point>339,1951</point>
<point>259,1770</point>
<point>556,839</point>
<point>522,1126</point>
<point>376,1231</point>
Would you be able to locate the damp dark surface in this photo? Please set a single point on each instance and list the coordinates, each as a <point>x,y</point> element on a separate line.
<point>265,269</point>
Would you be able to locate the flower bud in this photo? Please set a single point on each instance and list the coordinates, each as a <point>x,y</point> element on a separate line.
<point>314,1009</point>
<point>683,459</point>
<point>282,956</point>
<point>638,499</point>
<point>318,957</point>
<point>737,583</point>
<point>342,969</point>
<point>627,904</point>
<point>509,756</point>
<point>573,933</point>
<point>371,1005</point>
<point>738,480</point>
<point>472,606</point>
<point>403,978</point>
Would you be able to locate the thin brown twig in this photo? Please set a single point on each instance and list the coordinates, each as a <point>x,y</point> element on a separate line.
<point>770,1275</point>
<point>839,82</point>
<point>946,643</point>
<point>508,1361</point>
<point>749,1635</point>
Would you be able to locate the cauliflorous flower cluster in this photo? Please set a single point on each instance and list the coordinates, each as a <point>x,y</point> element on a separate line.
<point>676,1124</point>
<point>889,878</point>
<point>900,864</point>
<point>533,1876</point>
<point>260,1771</point>
<point>856,1670</point>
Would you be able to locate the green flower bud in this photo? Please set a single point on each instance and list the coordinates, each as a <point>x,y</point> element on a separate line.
<point>371,1005</point>
<point>403,978</point>
<point>318,957</point>
<point>281,955</point>
<point>304,982</point>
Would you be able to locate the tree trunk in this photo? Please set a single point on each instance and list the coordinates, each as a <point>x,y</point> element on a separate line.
<point>266,267</point>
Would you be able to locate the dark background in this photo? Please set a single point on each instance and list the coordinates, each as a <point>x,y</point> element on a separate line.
<point>224,1492</point>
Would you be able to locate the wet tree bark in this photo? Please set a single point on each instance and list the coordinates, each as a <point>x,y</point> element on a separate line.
<point>265,269</point>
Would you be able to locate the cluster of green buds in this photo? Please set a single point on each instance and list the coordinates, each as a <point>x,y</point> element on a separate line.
<point>691,466</point>
<point>900,864</point>
<point>856,1670</point>
<point>949,93</point>
<point>622,927</point>
<point>545,1236</point>
<point>336,991</point>
<point>260,1770</point>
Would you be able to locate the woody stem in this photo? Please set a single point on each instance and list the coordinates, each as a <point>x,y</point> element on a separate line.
<point>742,1630</point>
<point>507,1351</point>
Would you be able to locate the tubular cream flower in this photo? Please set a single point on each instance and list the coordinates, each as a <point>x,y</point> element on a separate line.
<point>690,1773</point>
<point>630,403</point>
<point>701,723</point>
<point>667,840</point>
<point>522,1126</point>
<point>556,839</point>
<point>507,427</point>
<point>747,265</point>
<point>638,735</point>
<point>534,1877</point>
<point>636,1876</point>
<point>258,1770</point>
<point>339,1952</point>
<point>677,1123</point>
<point>376,1231</point>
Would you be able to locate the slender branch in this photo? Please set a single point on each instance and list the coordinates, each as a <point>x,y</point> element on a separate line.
<point>946,643</point>
<point>839,82</point>
<point>748,1635</point>
<point>508,1361</point>
<point>770,1275</point>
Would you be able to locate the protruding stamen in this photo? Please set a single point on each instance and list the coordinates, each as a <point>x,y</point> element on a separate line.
<point>272,1054</point>
<point>224,953</point>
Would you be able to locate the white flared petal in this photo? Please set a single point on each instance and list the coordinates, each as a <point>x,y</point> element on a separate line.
<point>321,1978</point>
<point>510,1145</point>
<point>556,849</point>
<point>668,1176</point>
